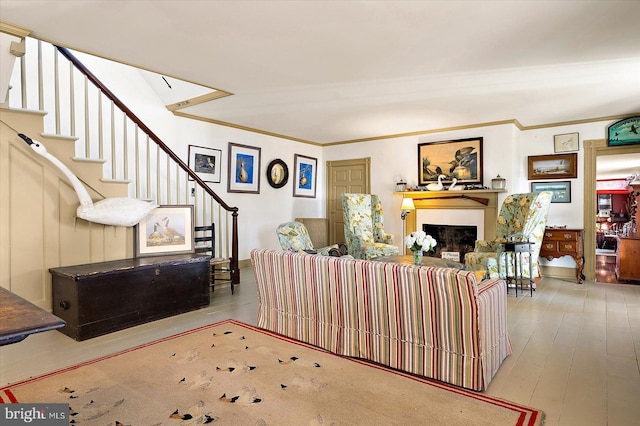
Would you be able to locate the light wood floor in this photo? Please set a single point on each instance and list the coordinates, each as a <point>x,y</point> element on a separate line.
<point>576,348</point>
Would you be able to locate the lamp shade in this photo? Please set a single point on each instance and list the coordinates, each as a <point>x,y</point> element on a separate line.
<point>407,204</point>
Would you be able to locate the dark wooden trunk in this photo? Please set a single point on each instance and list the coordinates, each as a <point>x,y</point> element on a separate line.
<point>99,298</point>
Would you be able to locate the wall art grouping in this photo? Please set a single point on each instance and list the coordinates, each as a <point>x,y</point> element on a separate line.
<point>305,176</point>
<point>244,169</point>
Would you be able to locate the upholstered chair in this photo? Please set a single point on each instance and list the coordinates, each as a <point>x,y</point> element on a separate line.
<point>294,236</point>
<point>522,217</point>
<point>364,227</point>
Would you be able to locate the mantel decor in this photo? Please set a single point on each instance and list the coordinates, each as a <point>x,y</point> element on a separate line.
<point>305,176</point>
<point>205,162</point>
<point>624,132</point>
<point>277,173</point>
<point>556,166</point>
<point>244,169</point>
<point>459,159</point>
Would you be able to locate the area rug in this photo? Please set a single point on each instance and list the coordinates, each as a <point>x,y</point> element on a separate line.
<point>233,373</point>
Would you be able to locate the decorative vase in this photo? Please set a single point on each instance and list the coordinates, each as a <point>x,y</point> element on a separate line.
<point>417,257</point>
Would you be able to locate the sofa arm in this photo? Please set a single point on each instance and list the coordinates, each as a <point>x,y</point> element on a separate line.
<point>492,322</point>
<point>483,246</point>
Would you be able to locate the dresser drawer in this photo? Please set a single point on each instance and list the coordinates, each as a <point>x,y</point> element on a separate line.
<point>549,246</point>
<point>567,247</point>
<point>561,235</point>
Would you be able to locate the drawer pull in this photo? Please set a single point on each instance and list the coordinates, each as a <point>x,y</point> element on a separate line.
<point>568,236</point>
<point>549,246</point>
<point>569,246</point>
<point>548,234</point>
<point>64,305</point>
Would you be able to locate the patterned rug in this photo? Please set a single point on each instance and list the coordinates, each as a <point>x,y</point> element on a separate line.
<point>233,373</point>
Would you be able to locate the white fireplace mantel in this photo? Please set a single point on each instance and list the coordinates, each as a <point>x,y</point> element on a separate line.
<point>454,200</point>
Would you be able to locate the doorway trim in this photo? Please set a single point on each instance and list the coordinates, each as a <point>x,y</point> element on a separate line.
<point>592,149</point>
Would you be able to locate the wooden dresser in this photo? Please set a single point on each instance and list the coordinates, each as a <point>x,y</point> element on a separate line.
<point>560,242</point>
<point>628,259</point>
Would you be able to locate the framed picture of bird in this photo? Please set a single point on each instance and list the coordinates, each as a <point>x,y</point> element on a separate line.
<point>244,169</point>
<point>166,230</point>
<point>566,142</point>
<point>205,162</point>
<point>450,162</point>
<point>305,175</point>
<point>624,132</point>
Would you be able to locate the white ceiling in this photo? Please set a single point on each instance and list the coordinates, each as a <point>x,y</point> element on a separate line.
<point>330,71</point>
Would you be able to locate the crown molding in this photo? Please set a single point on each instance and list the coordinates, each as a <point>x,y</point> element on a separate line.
<point>14,30</point>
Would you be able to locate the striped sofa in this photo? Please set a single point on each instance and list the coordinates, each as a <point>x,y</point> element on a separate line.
<point>435,322</point>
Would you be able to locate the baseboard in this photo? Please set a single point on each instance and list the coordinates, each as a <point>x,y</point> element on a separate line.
<point>246,263</point>
<point>558,272</point>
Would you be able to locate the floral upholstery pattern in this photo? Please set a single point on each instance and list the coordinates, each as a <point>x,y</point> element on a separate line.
<point>293,236</point>
<point>523,216</point>
<point>364,227</point>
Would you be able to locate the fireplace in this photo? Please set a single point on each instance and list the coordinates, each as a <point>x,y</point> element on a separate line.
<point>459,239</point>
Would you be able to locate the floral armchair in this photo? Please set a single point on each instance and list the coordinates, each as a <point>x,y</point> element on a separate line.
<point>293,236</point>
<point>522,216</point>
<point>364,227</point>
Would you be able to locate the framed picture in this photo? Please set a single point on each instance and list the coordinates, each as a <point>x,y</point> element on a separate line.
<point>460,159</point>
<point>244,169</point>
<point>305,176</point>
<point>555,166</point>
<point>206,162</point>
<point>561,190</point>
<point>566,142</point>
<point>624,132</point>
<point>277,173</point>
<point>166,230</point>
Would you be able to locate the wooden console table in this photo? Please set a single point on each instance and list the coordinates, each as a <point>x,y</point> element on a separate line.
<point>560,242</point>
<point>21,318</point>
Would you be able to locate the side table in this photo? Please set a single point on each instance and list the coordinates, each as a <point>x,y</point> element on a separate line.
<point>516,248</point>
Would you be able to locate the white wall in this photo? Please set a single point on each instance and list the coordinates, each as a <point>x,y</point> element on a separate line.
<point>505,147</point>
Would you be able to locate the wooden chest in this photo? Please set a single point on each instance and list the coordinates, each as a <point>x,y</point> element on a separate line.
<point>99,298</point>
<point>558,242</point>
<point>628,259</point>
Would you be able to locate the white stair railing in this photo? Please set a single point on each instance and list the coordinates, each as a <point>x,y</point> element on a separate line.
<point>51,79</point>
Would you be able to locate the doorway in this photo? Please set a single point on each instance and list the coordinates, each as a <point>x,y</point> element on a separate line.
<point>344,176</point>
<point>592,150</point>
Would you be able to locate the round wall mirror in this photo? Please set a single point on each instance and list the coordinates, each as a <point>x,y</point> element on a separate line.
<point>277,173</point>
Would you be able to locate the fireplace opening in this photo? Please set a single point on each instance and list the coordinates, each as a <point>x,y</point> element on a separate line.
<point>458,239</point>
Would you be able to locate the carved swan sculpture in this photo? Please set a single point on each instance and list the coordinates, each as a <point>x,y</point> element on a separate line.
<point>110,211</point>
<point>453,184</point>
<point>436,186</point>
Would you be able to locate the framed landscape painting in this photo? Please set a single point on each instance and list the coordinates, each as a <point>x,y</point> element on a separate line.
<point>305,176</point>
<point>166,230</point>
<point>557,166</point>
<point>460,159</point>
<point>206,162</point>
<point>244,169</point>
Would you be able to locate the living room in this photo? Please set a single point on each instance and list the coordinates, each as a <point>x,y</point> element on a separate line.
<point>507,144</point>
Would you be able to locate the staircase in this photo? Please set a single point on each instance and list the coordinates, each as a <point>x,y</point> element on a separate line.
<point>111,150</point>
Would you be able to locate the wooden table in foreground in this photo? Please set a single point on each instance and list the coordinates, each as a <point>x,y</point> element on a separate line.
<point>21,318</point>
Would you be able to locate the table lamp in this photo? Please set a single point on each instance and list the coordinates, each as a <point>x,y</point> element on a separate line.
<point>407,206</point>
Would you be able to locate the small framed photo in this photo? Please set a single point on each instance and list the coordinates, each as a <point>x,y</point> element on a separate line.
<point>566,142</point>
<point>244,169</point>
<point>554,166</point>
<point>166,230</point>
<point>305,176</point>
<point>561,190</point>
<point>206,162</point>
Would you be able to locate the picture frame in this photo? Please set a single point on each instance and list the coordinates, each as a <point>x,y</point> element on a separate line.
<point>244,169</point>
<point>566,142</point>
<point>561,190</point>
<point>206,163</point>
<point>277,173</point>
<point>624,132</point>
<point>553,166</point>
<point>460,159</point>
<point>168,229</point>
<point>305,176</point>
